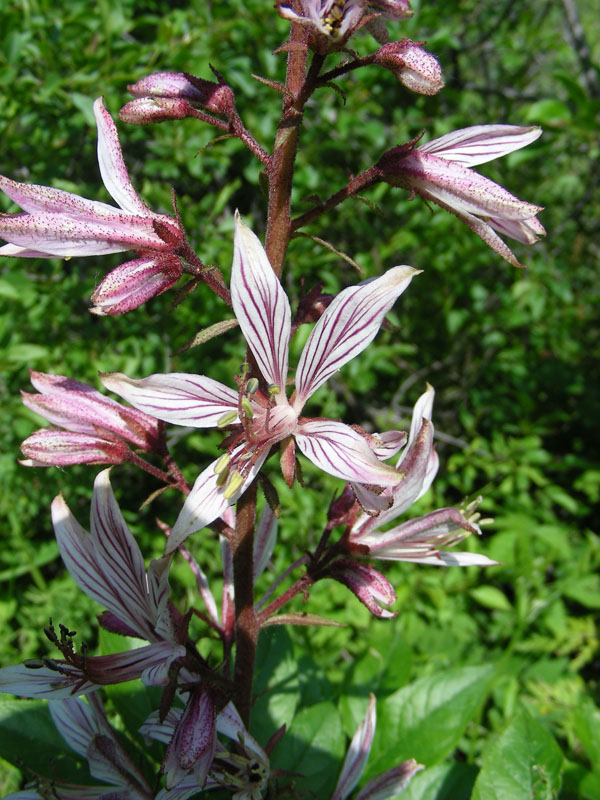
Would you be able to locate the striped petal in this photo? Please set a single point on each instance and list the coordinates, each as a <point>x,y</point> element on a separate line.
<point>261,306</point>
<point>44,682</point>
<point>339,450</point>
<point>176,397</point>
<point>112,167</point>
<point>480,143</point>
<point>358,753</point>
<point>348,325</point>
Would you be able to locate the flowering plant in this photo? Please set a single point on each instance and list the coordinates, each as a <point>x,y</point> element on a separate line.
<point>200,680</point>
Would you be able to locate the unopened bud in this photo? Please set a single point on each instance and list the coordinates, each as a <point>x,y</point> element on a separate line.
<point>196,92</point>
<point>128,286</point>
<point>145,110</point>
<point>228,418</point>
<point>414,67</point>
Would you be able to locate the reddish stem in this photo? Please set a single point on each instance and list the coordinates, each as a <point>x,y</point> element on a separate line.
<point>246,625</point>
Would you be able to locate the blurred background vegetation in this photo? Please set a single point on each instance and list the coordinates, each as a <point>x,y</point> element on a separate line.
<point>513,354</point>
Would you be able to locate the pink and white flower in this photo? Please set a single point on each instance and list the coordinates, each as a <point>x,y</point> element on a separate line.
<point>107,565</point>
<point>61,224</point>
<point>330,23</point>
<point>424,540</point>
<point>439,171</point>
<point>266,417</point>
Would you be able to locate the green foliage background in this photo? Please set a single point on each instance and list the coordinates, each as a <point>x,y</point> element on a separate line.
<point>513,356</point>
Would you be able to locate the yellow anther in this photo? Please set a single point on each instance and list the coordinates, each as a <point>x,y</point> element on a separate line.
<point>222,463</point>
<point>222,478</point>
<point>228,418</point>
<point>274,390</point>
<point>247,408</point>
<point>252,386</point>
<point>233,484</point>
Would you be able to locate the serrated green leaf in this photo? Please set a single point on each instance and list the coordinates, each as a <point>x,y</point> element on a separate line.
<point>523,762</point>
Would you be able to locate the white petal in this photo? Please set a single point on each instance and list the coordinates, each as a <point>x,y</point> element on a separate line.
<point>261,306</point>
<point>346,327</point>
<point>341,451</point>
<point>176,397</point>
<point>358,753</point>
<point>112,167</point>
<point>480,143</point>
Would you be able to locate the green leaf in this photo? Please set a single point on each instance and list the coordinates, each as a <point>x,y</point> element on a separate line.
<point>313,747</point>
<point>277,686</point>
<point>29,740</point>
<point>444,782</point>
<point>426,719</point>
<point>490,597</point>
<point>587,728</point>
<point>523,762</point>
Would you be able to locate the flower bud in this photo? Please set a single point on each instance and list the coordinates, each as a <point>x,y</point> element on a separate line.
<point>414,67</point>
<point>188,90</point>
<point>95,429</point>
<point>369,585</point>
<point>131,284</point>
<point>146,110</point>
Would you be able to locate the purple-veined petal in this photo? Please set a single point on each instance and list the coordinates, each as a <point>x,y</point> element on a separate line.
<point>193,743</point>
<point>206,502</point>
<point>44,683</point>
<point>107,563</point>
<point>63,236</point>
<point>480,143</point>
<point>119,558</point>
<point>112,167</point>
<point>390,783</point>
<point>411,477</point>
<point>346,327</point>
<point>176,397</point>
<point>63,448</point>
<point>261,306</point>
<point>358,753</point>
<point>76,723</point>
<point>339,450</point>
<point>388,444</point>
